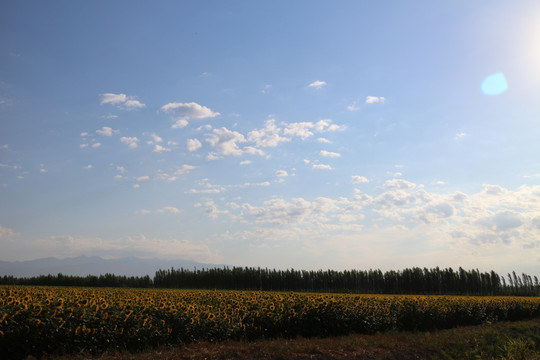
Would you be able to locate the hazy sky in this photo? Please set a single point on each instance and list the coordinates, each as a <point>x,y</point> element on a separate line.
<point>304,134</point>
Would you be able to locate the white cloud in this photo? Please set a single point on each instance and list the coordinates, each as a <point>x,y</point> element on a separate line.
<point>460,135</point>
<point>471,226</point>
<point>335,127</point>
<point>248,184</point>
<point>178,171</point>
<point>353,106</point>
<point>213,156</point>
<point>121,169</point>
<point>180,123</point>
<point>326,125</point>
<point>493,190</point>
<point>106,131</point>
<point>300,129</point>
<point>397,203</point>
<point>245,162</point>
<point>267,137</point>
<point>329,154</point>
<point>375,99</point>
<point>399,184</point>
<point>433,213</point>
<point>113,99</point>
<point>401,202</point>
<point>226,142</point>
<point>324,140</point>
<point>83,134</point>
<point>143,178</point>
<point>110,116</point>
<point>161,175</point>
<point>357,179</point>
<point>121,100</point>
<point>501,221</point>
<point>190,110</point>
<point>82,146</point>
<point>212,210</point>
<point>96,145</point>
<point>266,89</point>
<point>184,169</point>
<point>193,145</point>
<point>132,142</point>
<point>296,211</point>
<point>531,176</point>
<point>136,186</point>
<point>89,166</point>
<point>205,127</point>
<point>133,104</point>
<point>233,143</point>
<point>205,187</point>
<point>497,215</point>
<point>459,197</point>
<point>169,209</point>
<point>322,167</point>
<point>156,138</point>
<point>281,173</point>
<point>159,149</point>
<point>6,233</point>
<point>205,191</point>
<point>317,84</point>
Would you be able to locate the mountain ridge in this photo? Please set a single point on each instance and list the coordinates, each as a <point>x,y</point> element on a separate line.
<point>94,265</point>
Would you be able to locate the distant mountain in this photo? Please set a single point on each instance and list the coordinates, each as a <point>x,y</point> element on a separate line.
<point>94,265</point>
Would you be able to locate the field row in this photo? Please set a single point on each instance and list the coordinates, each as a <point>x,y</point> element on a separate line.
<point>34,320</point>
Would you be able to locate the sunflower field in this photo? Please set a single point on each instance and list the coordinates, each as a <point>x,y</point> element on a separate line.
<point>49,320</point>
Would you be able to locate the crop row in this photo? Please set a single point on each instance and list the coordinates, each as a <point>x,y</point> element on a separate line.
<point>37,320</point>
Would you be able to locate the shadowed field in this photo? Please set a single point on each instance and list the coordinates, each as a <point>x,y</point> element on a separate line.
<point>505,340</point>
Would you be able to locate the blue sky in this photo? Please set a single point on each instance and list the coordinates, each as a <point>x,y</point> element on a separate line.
<point>305,134</point>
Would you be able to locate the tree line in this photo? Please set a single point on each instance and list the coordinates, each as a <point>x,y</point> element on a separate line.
<point>408,281</point>
<point>106,280</point>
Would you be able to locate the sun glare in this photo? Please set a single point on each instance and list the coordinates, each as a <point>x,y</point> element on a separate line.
<point>494,84</point>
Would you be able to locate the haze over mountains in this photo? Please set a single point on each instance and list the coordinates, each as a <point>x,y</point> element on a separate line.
<point>94,265</point>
